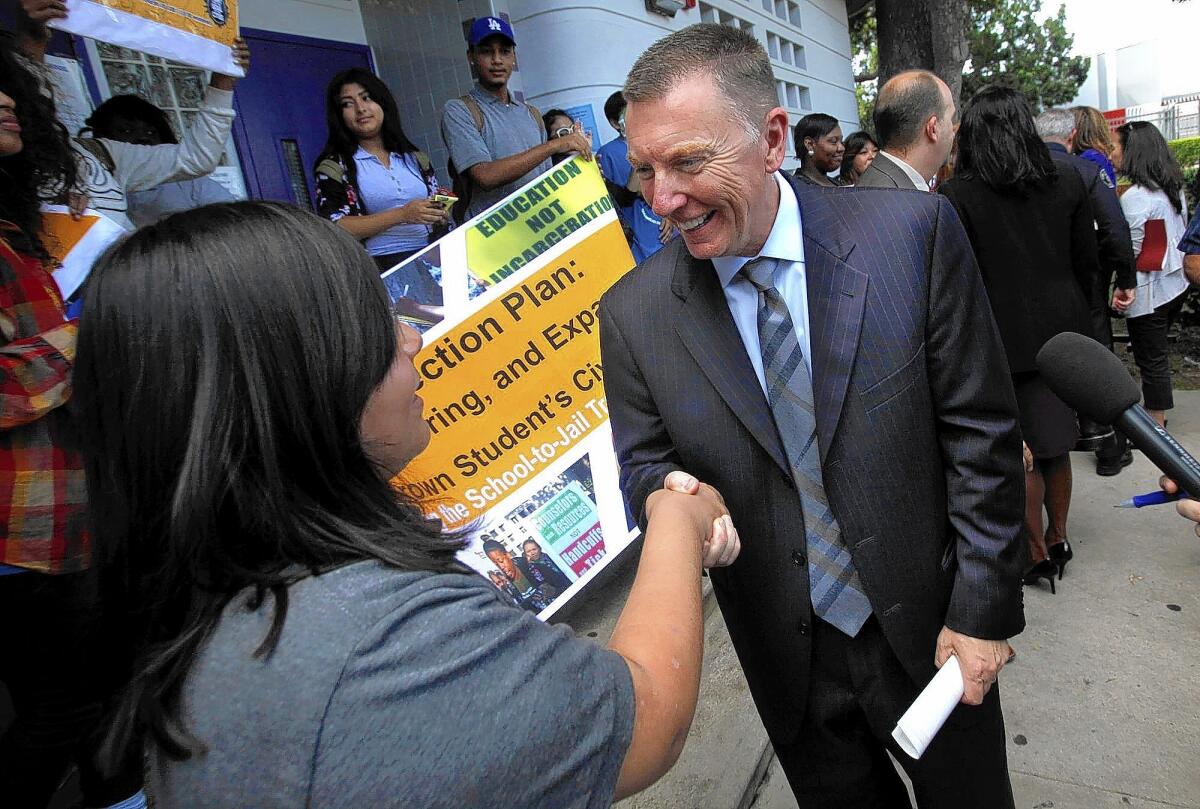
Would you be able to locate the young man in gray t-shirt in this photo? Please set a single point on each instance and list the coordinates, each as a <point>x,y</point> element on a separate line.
<point>500,144</point>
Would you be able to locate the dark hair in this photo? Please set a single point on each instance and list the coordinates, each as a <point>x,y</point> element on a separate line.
<point>341,142</point>
<point>905,103</point>
<point>549,115</point>
<point>243,340</point>
<point>132,108</point>
<point>46,163</point>
<point>855,143</point>
<point>614,106</point>
<point>490,545</point>
<point>1146,160</point>
<point>815,125</point>
<point>998,143</point>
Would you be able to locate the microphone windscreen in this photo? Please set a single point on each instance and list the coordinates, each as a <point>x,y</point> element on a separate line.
<point>1087,376</point>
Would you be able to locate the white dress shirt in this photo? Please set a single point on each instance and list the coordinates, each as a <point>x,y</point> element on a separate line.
<point>785,243</point>
<point>918,181</point>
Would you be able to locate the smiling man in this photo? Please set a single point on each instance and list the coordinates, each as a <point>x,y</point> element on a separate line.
<point>496,143</point>
<point>826,358</point>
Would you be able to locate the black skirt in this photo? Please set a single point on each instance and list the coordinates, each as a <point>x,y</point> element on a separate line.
<point>1048,426</point>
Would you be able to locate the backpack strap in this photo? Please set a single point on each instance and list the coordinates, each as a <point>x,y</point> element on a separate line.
<point>537,116</point>
<point>332,168</point>
<point>423,161</point>
<point>475,110</point>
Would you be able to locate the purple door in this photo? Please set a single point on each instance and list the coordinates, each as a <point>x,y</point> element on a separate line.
<point>280,126</point>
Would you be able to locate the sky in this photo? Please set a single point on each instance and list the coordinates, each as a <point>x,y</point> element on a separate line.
<point>1107,25</point>
<point>1101,25</point>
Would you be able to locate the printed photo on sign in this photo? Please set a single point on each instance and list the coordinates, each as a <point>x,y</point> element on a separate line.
<point>415,288</point>
<point>537,550</point>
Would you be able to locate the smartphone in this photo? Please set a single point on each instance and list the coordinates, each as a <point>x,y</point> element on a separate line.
<point>445,200</point>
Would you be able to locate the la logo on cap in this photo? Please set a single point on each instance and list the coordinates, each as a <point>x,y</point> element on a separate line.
<point>494,24</point>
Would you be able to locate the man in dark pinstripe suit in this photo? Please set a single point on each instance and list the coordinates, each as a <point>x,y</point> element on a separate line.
<point>828,361</point>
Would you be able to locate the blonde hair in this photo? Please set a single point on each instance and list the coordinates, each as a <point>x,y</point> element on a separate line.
<point>1091,131</point>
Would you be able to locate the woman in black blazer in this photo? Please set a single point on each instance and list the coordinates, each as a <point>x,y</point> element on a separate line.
<point>1032,231</point>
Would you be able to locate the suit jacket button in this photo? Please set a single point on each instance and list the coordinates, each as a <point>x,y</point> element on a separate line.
<point>798,558</point>
<point>803,629</point>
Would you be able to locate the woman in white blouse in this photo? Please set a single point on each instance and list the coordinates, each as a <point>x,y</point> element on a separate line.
<point>1156,211</point>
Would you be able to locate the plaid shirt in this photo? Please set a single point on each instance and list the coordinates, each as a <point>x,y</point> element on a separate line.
<point>42,492</point>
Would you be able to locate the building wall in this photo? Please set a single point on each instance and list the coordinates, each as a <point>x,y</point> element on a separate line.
<point>339,20</point>
<point>580,54</point>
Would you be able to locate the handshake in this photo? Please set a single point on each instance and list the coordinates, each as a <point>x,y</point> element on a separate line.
<point>701,506</point>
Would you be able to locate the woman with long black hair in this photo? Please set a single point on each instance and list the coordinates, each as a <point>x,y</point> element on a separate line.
<point>370,178</point>
<point>1032,231</point>
<point>46,584</point>
<point>819,148</point>
<point>1156,211</point>
<point>306,636</point>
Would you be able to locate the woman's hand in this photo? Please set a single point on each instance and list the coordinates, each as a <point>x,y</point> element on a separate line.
<point>722,544</point>
<point>422,212</point>
<point>1027,456</point>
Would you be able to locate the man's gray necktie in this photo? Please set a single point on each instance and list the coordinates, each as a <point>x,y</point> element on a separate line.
<point>836,591</point>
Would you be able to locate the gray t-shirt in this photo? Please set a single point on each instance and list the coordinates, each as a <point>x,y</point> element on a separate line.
<point>508,129</point>
<point>395,689</point>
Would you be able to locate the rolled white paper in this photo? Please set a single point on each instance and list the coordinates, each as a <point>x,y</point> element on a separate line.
<point>929,711</point>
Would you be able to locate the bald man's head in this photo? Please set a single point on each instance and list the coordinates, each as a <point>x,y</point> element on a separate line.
<point>904,106</point>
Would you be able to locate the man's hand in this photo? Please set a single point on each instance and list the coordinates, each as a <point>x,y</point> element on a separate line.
<point>43,11</point>
<point>576,141</point>
<point>241,56</point>
<point>721,549</point>
<point>980,661</point>
<point>1122,299</point>
<point>1188,509</point>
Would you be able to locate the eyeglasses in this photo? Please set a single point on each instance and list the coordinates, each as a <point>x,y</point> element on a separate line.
<point>563,131</point>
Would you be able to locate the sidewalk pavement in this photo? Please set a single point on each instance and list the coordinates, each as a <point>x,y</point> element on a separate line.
<point>1102,704</point>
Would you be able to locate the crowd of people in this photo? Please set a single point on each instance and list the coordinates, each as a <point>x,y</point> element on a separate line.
<point>225,603</point>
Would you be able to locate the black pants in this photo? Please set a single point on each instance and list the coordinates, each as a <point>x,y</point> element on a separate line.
<point>50,624</point>
<point>1148,335</point>
<point>857,689</point>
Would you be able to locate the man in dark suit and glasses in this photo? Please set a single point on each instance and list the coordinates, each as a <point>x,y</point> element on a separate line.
<point>827,359</point>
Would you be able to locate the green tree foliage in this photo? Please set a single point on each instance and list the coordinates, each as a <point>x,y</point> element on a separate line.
<point>1009,46</point>
<point>865,64</point>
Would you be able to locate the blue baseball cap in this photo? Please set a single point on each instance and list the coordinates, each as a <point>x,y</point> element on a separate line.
<point>485,27</point>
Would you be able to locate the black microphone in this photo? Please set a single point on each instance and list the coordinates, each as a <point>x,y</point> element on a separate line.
<point>1090,378</point>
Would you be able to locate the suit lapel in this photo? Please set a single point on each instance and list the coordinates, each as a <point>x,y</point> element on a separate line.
<point>707,330</point>
<point>837,297</point>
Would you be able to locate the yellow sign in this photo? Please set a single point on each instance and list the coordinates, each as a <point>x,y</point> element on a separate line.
<point>528,224</point>
<point>516,384</point>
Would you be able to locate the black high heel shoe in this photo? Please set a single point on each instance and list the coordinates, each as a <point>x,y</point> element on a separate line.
<point>1044,569</point>
<point>1060,553</point>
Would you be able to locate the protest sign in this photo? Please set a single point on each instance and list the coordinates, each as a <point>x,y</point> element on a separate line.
<point>76,243</point>
<point>520,448</point>
<point>195,32</point>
